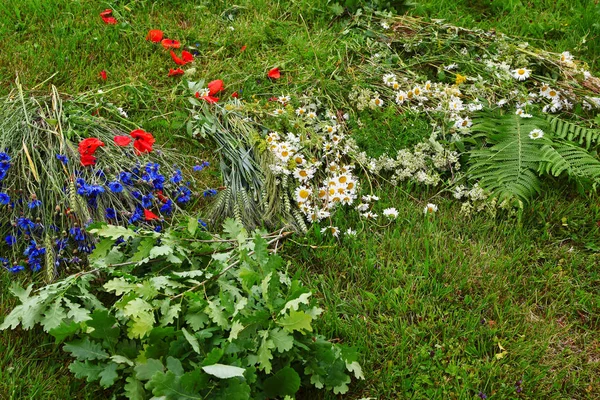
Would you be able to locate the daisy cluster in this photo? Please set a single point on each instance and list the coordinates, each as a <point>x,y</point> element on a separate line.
<point>137,193</point>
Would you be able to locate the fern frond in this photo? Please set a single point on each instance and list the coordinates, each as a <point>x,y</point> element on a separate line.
<point>508,168</point>
<point>567,130</point>
<point>563,158</point>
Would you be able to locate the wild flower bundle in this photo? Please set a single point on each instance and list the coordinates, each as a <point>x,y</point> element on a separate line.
<point>62,169</point>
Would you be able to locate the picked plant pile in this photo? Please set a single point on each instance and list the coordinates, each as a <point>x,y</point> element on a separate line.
<point>62,168</point>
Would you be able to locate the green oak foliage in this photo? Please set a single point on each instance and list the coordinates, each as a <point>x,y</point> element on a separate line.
<point>204,317</point>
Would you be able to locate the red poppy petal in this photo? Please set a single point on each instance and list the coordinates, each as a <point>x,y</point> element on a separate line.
<point>243,48</point>
<point>87,160</point>
<point>274,73</point>
<point>235,95</point>
<point>187,56</point>
<point>176,72</point>
<point>154,35</point>
<point>177,60</point>
<point>106,13</point>
<point>170,44</point>
<point>142,146</point>
<point>87,147</point>
<point>102,75</point>
<point>122,140</point>
<point>215,87</point>
<point>109,20</point>
<point>150,216</point>
<point>210,99</point>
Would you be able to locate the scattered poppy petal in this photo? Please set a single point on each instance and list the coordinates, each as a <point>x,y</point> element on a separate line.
<point>122,140</point>
<point>109,20</point>
<point>215,87</point>
<point>150,216</point>
<point>106,13</point>
<point>274,73</point>
<point>87,160</point>
<point>170,44</point>
<point>235,95</point>
<point>154,35</point>
<point>102,75</point>
<point>87,147</point>
<point>210,99</point>
<point>175,72</point>
<point>243,48</point>
<point>187,56</point>
<point>177,60</point>
<point>143,141</point>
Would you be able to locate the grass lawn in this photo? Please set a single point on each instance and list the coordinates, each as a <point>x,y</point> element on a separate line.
<point>440,308</point>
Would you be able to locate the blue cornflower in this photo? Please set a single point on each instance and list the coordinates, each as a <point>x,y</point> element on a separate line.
<point>4,198</point>
<point>110,213</point>
<point>10,240</point>
<point>167,208</point>
<point>202,223</point>
<point>3,173</point>
<point>136,194</point>
<point>62,158</point>
<point>126,178</point>
<point>137,215</point>
<point>176,178</point>
<point>77,234</point>
<point>184,195</point>
<point>158,228</point>
<point>25,224</point>
<point>115,187</point>
<point>86,248</point>
<point>197,168</point>
<point>209,193</point>
<point>147,200</point>
<point>34,203</point>
<point>16,268</point>
<point>95,190</point>
<point>4,157</point>
<point>61,244</point>
<point>35,265</point>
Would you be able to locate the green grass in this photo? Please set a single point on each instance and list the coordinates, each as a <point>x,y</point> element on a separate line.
<point>426,300</point>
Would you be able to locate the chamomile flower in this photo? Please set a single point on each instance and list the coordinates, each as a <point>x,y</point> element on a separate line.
<point>350,232</point>
<point>536,134</point>
<point>566,57</point>
<point>300,111</point>
<point>455,104</point>
<point>311,115</point>
<point>332,230</point>
<point>463,123</point>
<point>430,208</point>
<point>395,86</point>
<point>330,129</point>
<point>278,111</point>
<point>521,74</point>
<point>302,194</point>
<point>370,215</point>
<point>299,159</point>
<point>400,97</point>
<point>389,79</point>
<point>203,92</point>
<point>391,213</point>
<point>362,207</point>
<point>376,102</point>
<point>304,174</point>
<point>417,91</point>
<point>283,99</point>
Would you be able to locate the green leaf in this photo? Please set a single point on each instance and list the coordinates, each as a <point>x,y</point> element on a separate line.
<point>285,382</point>
<point>192,225</point>
<point>84,349</point>
<point>104,325</point>
<point>109,375</point>
<point>215,311</point>
<point>142,252</point>
<point>146,370</point>
<point>169,311</point>
<point>236,389</point>
<point>113,232</point>
<point>86,370</point>
<point>119,286</point>
<point>296,321</point>
<point>191,340</point>
<point>171,387</point>
<point>160,251</point>
<point>295,304</point>
<point>233,228</point>
<point>356,368</point>
<point>264,354</point>
<point>141,325</point>
<point>134,389</point>
<point>196,321</point>
<point>283,341</point>
<point>236,328</point>
<point>76,312</point>
<point>223,371</point>
<point>53,316</point>
<point>64,330</point>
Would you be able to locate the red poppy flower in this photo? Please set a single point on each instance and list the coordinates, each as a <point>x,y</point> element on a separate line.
<point>274,73</point>
<point>170,44</point>
<point>215,87</point>
<point>243,48</point>
<point>175,72</point>
<point>87,160</point>
<point>235,95</point>
<point>143,141</point>
<point>106,13</point>
<point>109,20</point>
<point>122,140</point>
<point>154,35</point>
<point>150,216</point>
<point>87,147</point>
<point>102,75</point>
<point>177,60</point>
<point>187,56</point>
<point>210,99</point>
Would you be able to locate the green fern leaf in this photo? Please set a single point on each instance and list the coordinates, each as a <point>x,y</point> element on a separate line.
<point>563,158</point>
<point>567,130</point>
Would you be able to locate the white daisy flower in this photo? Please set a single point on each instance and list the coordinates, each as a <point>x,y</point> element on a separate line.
<point>391,213</point>
<point>334,231</point>
<point>350,232</point>
<point>389,79</point>
<point>311,115</point>
<point>376,102</point>
<point>362,207</point>
<point>451,67</point>
<point>304,174</point>
<point>463,123</point>
<point>430,208</point>
<point>395,86</point>
<point>400,97</point>
<point>536,134</point>
<point>566,57</point>
<point>278,111</point>
<point>302,194</point>
<point>300,111</point>
<point>501,102</point>
<point>521,74</point>
<point>283,99</point>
